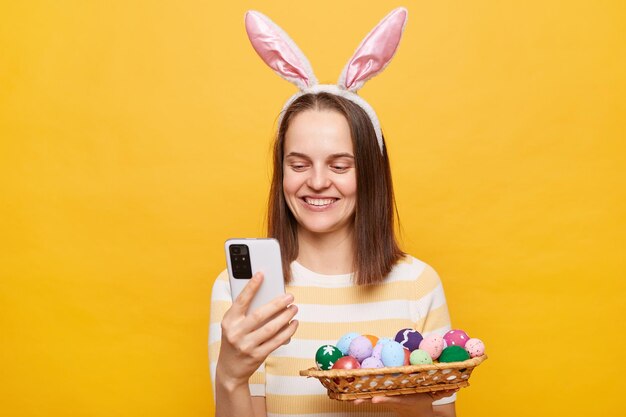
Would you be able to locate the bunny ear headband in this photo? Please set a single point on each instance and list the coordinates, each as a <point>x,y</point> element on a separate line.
<point>283,56</point>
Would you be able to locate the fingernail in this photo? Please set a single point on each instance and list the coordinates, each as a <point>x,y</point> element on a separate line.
<point>288,298</point>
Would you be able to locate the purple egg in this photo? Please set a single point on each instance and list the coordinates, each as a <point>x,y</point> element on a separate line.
<point>377,351</point>
<point>409,339</point>
<point>360,348</point>
<point>372,362</point>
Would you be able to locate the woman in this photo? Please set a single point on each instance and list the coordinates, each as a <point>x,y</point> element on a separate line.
<point>332,210</point>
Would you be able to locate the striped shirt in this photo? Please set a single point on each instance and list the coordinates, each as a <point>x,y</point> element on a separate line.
<point>329,306</point>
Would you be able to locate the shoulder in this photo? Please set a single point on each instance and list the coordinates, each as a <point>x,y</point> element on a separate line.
<point>223,276</point>
<point>221,287</point>
<point>410,268</point>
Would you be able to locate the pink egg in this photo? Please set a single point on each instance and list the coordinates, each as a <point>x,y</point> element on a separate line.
<point>433,344</point>
<point>475,347</point>
<point>360,348</point>
<point>456,338</point>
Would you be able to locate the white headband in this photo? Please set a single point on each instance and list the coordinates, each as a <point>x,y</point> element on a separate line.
<point>372,56</point>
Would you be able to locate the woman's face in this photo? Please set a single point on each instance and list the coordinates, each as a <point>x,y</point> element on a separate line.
<point>319,179</point>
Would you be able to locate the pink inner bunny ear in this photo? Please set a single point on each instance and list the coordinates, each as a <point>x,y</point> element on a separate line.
<point>375,51</point>
<point>278,51</point>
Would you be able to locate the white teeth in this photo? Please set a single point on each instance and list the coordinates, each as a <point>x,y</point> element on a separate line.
<point>319,201</point>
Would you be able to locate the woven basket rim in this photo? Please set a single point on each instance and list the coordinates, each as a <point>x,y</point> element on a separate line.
<point>333,373</point>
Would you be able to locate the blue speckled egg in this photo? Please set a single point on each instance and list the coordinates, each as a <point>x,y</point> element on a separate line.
<point>384,341</point>
<point>360,348</point>
<point>344,342</point>
<point>392,354</point>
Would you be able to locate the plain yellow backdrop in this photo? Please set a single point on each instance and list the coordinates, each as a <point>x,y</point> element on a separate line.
<point>134,140</point>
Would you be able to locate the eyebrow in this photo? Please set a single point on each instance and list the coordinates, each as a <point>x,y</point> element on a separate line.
<point>333,156</point>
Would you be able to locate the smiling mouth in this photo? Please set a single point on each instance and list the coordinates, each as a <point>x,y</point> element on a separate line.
<point>319,202</point>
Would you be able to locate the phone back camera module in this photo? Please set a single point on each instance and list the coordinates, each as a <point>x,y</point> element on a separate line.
<point>240,261</point>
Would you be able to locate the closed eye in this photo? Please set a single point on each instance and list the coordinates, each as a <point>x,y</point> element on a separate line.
<point>298,167</point>
<point>340,168</point>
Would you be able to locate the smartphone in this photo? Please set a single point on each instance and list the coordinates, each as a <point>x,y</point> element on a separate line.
<point>245,257</point>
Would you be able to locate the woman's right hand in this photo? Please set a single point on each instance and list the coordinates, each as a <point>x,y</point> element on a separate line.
<point>248,339</point>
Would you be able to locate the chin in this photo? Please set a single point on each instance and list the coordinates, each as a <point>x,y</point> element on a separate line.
<point>321,228</point>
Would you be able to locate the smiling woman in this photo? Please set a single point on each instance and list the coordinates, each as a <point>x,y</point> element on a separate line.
<point>331,208</point>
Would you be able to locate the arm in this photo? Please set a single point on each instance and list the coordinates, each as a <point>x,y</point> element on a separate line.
<point>233,399</point>
<point>444,410</point>
<point>246,341</point>
<point>239,401</point>
<point>258,404</point>
<point>415,405</point>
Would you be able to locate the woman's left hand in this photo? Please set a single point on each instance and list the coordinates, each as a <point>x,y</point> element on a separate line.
<point>410,405</point>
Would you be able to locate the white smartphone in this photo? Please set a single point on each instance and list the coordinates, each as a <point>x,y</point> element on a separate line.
<point>245,257</point>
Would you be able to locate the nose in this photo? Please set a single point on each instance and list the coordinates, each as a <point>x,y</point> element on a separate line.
<point>318,179</point>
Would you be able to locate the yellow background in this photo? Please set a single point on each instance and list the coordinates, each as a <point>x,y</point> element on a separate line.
<point>134,138</point>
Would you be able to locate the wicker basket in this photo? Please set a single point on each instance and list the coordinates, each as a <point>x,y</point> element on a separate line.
<point>366,383</point>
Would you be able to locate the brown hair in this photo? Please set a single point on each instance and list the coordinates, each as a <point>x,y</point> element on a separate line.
<point>375,240</point>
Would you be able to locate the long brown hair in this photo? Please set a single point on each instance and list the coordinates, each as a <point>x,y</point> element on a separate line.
<point>375,240</point>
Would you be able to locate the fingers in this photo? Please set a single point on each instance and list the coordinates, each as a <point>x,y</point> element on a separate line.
<point>406,400</point>
<point>243,300</point>
<point>272,326</point>
<point>383,399</point>
<point>360,401</point>
<point>266,313</point>
<point>280,338</point>
<point>437,395</point>
<point>275,339</point>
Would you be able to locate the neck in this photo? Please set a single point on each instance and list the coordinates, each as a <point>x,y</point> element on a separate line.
<point>328,253</point>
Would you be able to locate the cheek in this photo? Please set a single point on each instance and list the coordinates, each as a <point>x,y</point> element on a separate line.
<point>347,186</point>
<point>290,183</point>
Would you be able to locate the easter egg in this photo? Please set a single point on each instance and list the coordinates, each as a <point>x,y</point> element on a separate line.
<point>433,344</point>
<point>373,339</point>
<point>407,357</point>
<point>326,356</point>
<point>475,347</point>
<point>372,362</point>
<point>454,354</point>
<point>392,354</point>
<point>420,357</point>
<point>378,349</point>
<point>360,348</point>
<point>344,341</point>
<point>384,341</point>
<point>409,339</point>
<point>456,338</point>
<point>346,362</point>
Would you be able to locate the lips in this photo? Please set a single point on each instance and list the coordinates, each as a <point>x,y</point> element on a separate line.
<point>318,202</point>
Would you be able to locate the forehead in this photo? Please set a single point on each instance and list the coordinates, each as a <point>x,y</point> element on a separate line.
<point>318,133</point>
